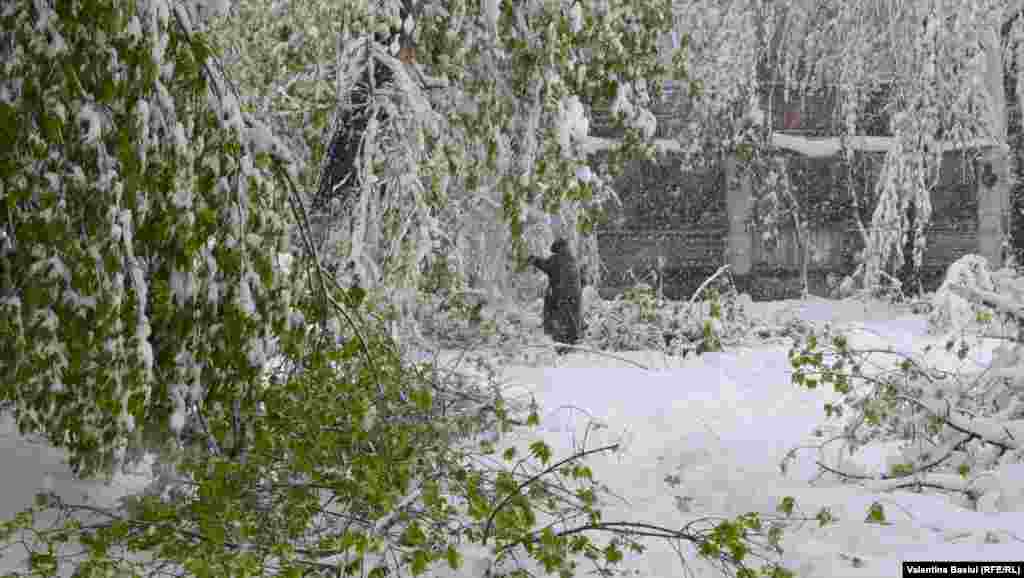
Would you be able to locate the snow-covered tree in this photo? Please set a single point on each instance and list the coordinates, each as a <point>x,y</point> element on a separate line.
<point>474,151</point>
<point>148,290</point>
<point>144,225</point>
<point>933,68</point>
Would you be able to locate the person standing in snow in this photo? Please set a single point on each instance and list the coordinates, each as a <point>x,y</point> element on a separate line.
<point>563,301</point>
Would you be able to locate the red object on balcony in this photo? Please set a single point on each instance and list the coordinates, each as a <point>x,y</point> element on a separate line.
<point>791,120</point>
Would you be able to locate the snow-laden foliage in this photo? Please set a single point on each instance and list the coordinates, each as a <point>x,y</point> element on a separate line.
<point>957,416</point>
<point>636,320</point>
<point>150,289</point>
<point>723,46</point>
<point>510,149</point>
<point>905,183</point>
<point>144,224</point>
<point>933,69</point>
<point>143,220</point>
<point>372,465</point>
<point>952,313</point>
<point>474,153</point>
<point>640,320</point>
<point>512,332</point>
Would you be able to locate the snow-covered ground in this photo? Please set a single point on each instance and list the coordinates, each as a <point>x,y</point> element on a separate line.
<point>720,425</point>
<point>28,465</point>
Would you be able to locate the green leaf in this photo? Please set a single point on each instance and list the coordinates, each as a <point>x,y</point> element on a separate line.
<point>413,535</point>
<point>787,505</point>
<point>612,554</point>
<point>107,91</point>
<point>200,49</point>
<point>453,557</point>
<point>355,296</point>
<point>964,470</point>
<point>581,471</point>
<point>420,561</point>
<point>44,564</point>
<point>541,451</point>
<point>351,349</point>
<point>876,514</point>
<point>421,399</point>
<point>533,419</point>
<point>901,470</point>
<point>709,549</point>
<point>751,520</point>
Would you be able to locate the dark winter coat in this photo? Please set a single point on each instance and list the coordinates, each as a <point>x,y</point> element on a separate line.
<point>563,302</point>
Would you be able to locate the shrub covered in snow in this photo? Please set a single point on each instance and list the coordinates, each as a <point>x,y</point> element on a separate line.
<point>633,321</point>
<point>638,320</point>
<point>959,423</point>
<point>950,310</point>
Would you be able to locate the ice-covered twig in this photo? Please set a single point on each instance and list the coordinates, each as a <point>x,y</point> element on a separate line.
<point>707,282</point>
<point>1006,435</point>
